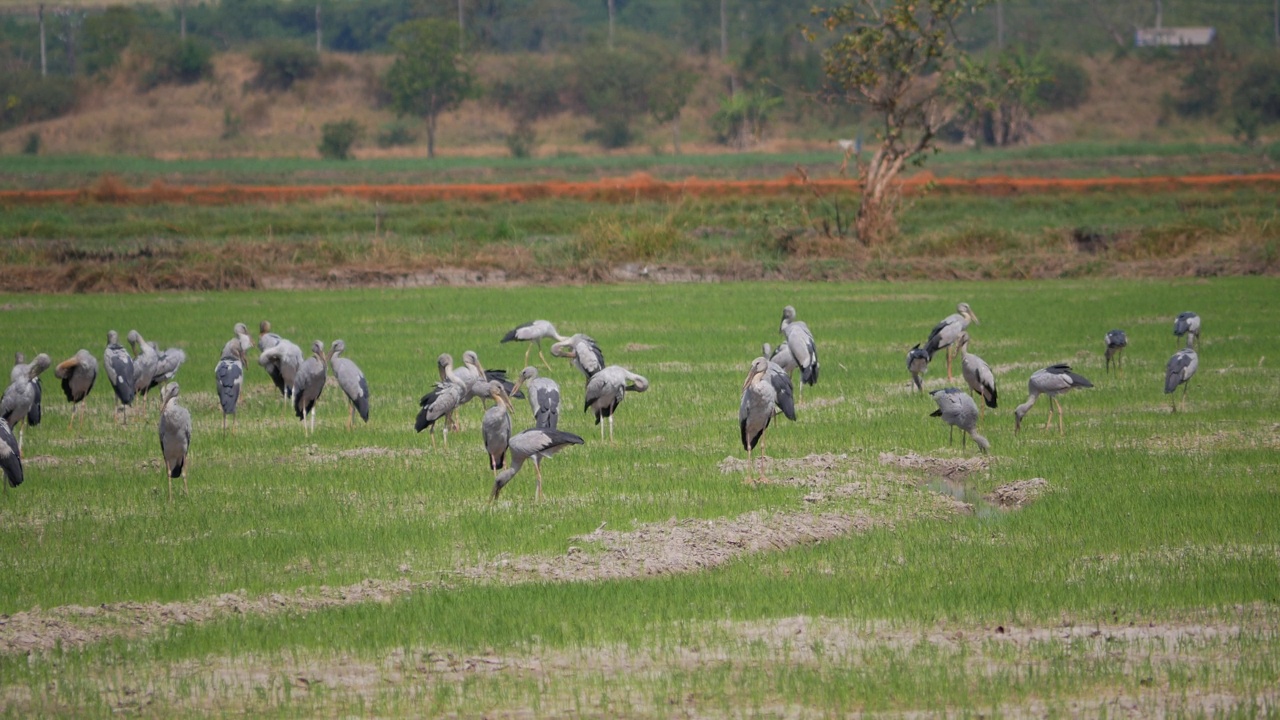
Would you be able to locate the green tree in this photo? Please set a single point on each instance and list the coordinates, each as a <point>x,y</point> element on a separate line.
<point>529,90</point>
<point>893,58</point>
<point>429,76</point>
<point>638,76</point>
<point>995,99</point>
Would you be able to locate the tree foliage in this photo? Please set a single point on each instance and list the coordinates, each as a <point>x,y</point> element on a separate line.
<point>281,64</point>
<point>996,98</point>
<point>636,78</point>
<point>430,76</point>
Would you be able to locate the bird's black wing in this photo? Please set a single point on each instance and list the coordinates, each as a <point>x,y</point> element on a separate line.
<point>227,373</point>
<point>33,415</point>
<point>1174,371</point>
<point>515,334</point>
<point>362,404</point>
<point>547,416</point>
<point>9,458</point>
<point>785,400</point>
<point>933,344</point>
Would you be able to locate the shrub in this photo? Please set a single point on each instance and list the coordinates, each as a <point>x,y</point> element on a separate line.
<point>31,146</point>
<point>179,63</point>
<point>1065,86</point>
<point>397,134</point>
<point>1259,91</point>
<point>27,97</point>
<point>282,64</point>
<point>337,138</point>
<point>522,140</point>
<point>1200,93</point>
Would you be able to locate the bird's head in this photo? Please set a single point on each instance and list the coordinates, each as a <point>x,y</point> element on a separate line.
<point>317,349</point>
<point>264,327</point>
<point>134,339</point>
<point>757,371</point>
<point>499,395</point>
<point>965,310</point>
<point>788,315</point>
<point>527,374</point>
<point>336,349</point>
<point>564,349</point>
<point>38,365</point>
<point>471,360</point>
<point>113,337</point>
<point>637,383</point>
<point>170,392</point>
<point>1018,414</point>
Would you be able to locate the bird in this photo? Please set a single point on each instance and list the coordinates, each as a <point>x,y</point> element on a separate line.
<point>959,411</point>
<point>476,379</point>
<point>544,397</point>
<point>946,333</point>
<point>351,380</point>
<point>765,391</point>
<point>229,372</point>
<point>78,373</point>
<point>535,443</point>
<point>496,426</point>
<point>119,366</point>
<point>21,368</point>
<point>10,458</point>
<point>583,351</point>
<point>917,365</point>
<point>1181,368</point>
<point>977,373</point>
<point>167,364</point>
<point>1051,381</point>
<point>1117,341</point>
<point>800,343</point>
<point>175,436</point>
<point>145,359</point>
<point>605,392</point>
<point>1188,323</point>
<point>308,384</point>
<point>16,405</point>
<point>443,399</point>
<point>281,359</point>
<point>534,332</point>
<point>241,331</point>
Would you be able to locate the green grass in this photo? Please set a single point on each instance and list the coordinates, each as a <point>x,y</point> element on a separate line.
<point>1151,517</point>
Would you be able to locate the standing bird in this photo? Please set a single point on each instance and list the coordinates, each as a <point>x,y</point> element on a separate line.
<point>605,392</point>
<point>583,351</point>
<point>241,331</point>
<point>1188,324</point>
<point>308,384</point>
<point>800,343</point>
<point>959,411</point>
<point>10,458</point>
<point>977,374</point>
<point>1181,368</point>
<point>544,397</point>
<point>1117,341</point>
<point>535,443</point>
<point>443,399</point>
<point>534,332</point>
<point>119,366</point>
<point>946,333</point>
<point>496,426</point>
<point>280,358</point>
<point>476,379</point>
<point>175,436</point>
<point>351,380</point>
<point>766,390</point>
<point>229,372</point>
<point>78,374</point>
<point>21,368</point>
<point>145,359</point>
<point>917,365</point>
<point>1052,381</point>
<point>20,397</point>
<point>167,364</point>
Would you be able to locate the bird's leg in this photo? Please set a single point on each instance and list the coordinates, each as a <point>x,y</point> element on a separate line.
<point>544,358</point>
<point>352,417</point>
<point>168,473</point>
<point>1049,422</point>
<point>610,428</point>
<point>528,350</point>
<point>951,435</point>
<point>1061,429</point>
<point>537,467</point>
<point>21,427</point>
<point>948,363</point>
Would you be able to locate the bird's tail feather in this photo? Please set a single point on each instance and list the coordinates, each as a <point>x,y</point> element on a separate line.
<point>177,469</point>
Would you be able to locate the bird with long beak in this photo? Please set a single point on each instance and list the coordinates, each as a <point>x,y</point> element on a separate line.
<point>308,384</point>
<point>496,426</point>
<point>947,333</point>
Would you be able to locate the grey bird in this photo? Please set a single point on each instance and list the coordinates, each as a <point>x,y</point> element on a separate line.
<point>946,333</point>
<point>1181,368</point>
<point>175,436</point>
<point>21,396</point>
<point>606,390</point>
<point>496,426</point>
<point>77,373</point>
<point>535,443</point>
<point>917,365</point>
<point>765,391</point>
<point>21,368</point>
<point>959,411</point>
<point>1051,381</point>
<point>443,399</point>
<point>800,343</point>
<point>168,362</point>
<point>475,378</point>
<point>584,353</point>
<point>1188,324</point>
<point>544,397</point>
<point>781,358</point>
<point>241,331</point>
<point>534,332</point>
<point>229,373</point>
<point>145,359</point>
<point>118,365</point>
<point>10,458</point>
<point>351,380</point>
<point>977,375</point>
<point>280,358</point>
<point>1116,341</point>
<point>775,372</point>
<point>308,384</point>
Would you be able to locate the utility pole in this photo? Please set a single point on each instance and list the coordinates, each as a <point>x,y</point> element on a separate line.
<point>318,33</point>
<point>1000,24</point>
<point>462,32</point>
<point>724,47</point>
<point>1159,14</point>
<point>44,66</point>
<point>611,11</point>
<point>182,20</point>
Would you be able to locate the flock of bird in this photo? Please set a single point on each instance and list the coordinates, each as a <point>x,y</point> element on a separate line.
<point>767,390</point>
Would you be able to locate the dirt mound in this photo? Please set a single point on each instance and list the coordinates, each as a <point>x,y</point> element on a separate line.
<point>1015,495</point>
<point>948,468</point>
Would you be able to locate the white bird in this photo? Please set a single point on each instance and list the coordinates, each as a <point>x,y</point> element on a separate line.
<point>766,390</point>
<point>229,374</point>
<point>946,333</point>
<point>241,331</point>
<point>544,397</point>
<point>119,367</point>
<point>10,458</point>
<point>1117,341</point>
<point>280,358</point>
<point>1188,324</point>
<point>1181,368</point>
<point>1051,381</point>
<point>20,397</point>
<point>534,332</point>
<point>535,443</point>
<point>443,399</point>
<point>145,359</point>
<point>800,343</point>
<point>21,369</point>
<point>351,380</point>
<point>959,411</point>
<point>168,362</point>
<point>583,351</point>
<point>606,390</point>
<point>308,384</point>
<point>917,365</point>
<point>977,374</point>
<point>175,436</point>
<point>77,373</point>
<point>496,426</point>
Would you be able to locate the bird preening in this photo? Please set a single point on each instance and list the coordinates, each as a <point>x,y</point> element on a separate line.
<point>1116,341</point>
<point>959,411</point>
<point>765,392</point>
<point>1179,371</point>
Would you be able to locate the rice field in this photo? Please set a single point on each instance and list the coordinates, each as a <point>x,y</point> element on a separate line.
<point>1130,565</point>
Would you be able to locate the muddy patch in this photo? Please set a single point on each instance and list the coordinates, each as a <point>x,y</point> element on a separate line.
<point>953,469</point>
<point>816,470</point>
<point>1015,495</point>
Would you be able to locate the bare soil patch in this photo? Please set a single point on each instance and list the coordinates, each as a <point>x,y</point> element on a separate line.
<point>1015,495</point>
<point>953,469</point>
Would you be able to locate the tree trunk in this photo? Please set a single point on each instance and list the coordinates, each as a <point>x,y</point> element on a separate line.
<point>724,47</point>
<point>319,34</point>
<point>44,65</point>
<point>675,135</point>
<point>611,11</point>
<point>431,136</point>
<point>875,221</point>
<point>462,32</point>
<point>182,20</point>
